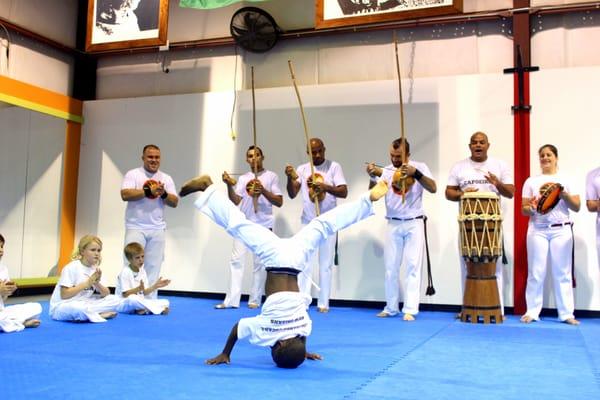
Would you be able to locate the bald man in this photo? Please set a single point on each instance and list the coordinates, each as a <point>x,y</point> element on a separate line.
<point>484,174</point>
<point>329,185</point>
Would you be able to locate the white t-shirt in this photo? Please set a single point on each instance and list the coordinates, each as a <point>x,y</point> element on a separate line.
<point>264,214</point>
<point>531,189</point>
<point>128,279</point>
<point>469,173</point>
<point>3,277</point>
<point>592,188</point>
<point>72,274</point>
<point>146,214</point>
<point>413,200</point>
<point>283,316</point>
<point>332,174</point>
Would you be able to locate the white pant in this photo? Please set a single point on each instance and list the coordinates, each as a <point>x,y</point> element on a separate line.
<point>236,267</point>
<point>273,251</point>
<point>134,302</point>
<point>13,317</point>
<point>557,243</point>
<point>499,278</point>
<point>324,259</point>
<point>404,244</point>
<point>153,242</point>
<point>85,309</point>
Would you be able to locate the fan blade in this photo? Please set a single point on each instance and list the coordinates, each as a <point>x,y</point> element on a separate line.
<point>239,31</point>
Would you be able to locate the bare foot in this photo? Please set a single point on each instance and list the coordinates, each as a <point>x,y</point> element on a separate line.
<point>384,314</point>
<point>408,317</point>
<point>199,183</point>
<point>32,323</point>
<point>108,314</point>
<point>571,321</point>
<point>141,312</point>
<point>252,305</point>
<point>526,319</point>
<point>323,310</point>
<point>378,191</point>
<point>165,311</point>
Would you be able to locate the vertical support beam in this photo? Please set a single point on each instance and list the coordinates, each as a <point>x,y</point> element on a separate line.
<point>68,203</point>
<point>85,65</point>
<point>522,41</point>
<point>84,88</point>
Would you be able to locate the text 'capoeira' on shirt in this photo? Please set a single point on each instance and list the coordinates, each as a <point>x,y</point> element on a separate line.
<point>283,316</point>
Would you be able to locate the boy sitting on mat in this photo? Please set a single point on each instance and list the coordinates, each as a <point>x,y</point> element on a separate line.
<point>133,285</point>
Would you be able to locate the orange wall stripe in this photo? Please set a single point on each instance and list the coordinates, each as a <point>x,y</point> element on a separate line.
<point>69,192</point>
<point>43,100</point>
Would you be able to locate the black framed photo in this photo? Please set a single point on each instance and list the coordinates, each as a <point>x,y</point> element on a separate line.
<point>126,24</point>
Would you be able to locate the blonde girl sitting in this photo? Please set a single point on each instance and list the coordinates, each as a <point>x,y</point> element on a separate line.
<point>79,295</point>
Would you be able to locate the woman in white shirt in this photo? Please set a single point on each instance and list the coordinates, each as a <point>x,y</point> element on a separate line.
<point>549,235</point>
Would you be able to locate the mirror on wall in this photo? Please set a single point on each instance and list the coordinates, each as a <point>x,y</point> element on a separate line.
<point>31,163</point>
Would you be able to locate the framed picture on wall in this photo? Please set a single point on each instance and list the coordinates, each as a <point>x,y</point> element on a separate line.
<point>126,24</point>
<point>332,13</point>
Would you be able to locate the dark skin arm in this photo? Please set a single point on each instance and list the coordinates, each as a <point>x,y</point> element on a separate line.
<point>506,190</point>
<point>340,191</point>
<point>453,193</point>
<point>292,186</point>
<point>275,199</point>
<point>427,183</point>
<point>593,205</point>
<point>233,196</point>
<point>224,358</point>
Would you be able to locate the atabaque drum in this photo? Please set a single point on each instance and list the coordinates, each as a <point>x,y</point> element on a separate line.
<point>480,224</point>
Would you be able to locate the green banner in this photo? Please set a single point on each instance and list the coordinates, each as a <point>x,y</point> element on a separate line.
<point>209,4</point>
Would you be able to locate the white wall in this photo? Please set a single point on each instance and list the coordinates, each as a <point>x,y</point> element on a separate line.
<point>31,146</point>
<point>36,63</point>
<point>357,122</point>
<point>482,47</point>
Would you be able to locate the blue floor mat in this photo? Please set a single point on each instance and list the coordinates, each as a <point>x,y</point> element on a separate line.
<point>435,357</point>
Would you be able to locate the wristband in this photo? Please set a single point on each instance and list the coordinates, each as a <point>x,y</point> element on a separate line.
<point>164,195</point>
<point>418,174</point>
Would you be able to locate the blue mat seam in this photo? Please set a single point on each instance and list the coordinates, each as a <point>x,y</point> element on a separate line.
<point>392,364</point>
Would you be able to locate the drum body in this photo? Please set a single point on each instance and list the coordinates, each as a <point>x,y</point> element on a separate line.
<point>480,224</point>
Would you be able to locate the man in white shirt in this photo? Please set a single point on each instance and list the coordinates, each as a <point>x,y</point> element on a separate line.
<point>327,186</point>
<point>405,233</point>
<point>147,190</point>
<point>484,174</point>
<point>283,323</point>
<point>255,193</point>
